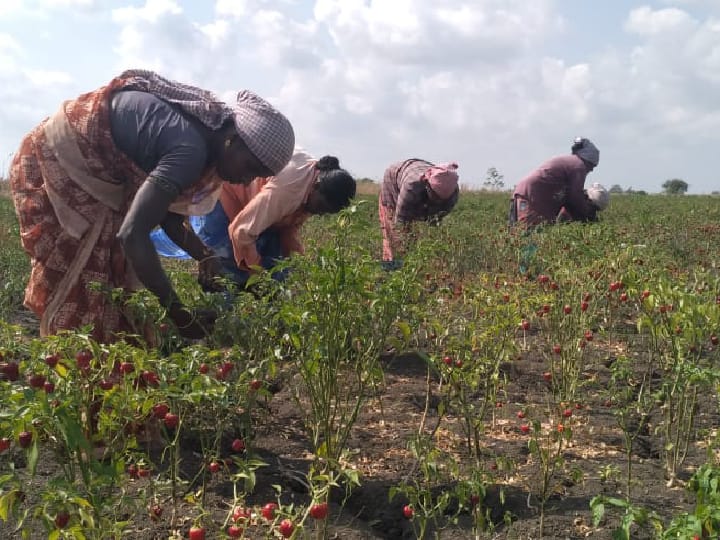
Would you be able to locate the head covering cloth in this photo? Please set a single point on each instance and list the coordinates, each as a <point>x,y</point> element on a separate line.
<point>443,179</point>
<point>586,150</point>
<point>267,133</point>
<point>598,195</point>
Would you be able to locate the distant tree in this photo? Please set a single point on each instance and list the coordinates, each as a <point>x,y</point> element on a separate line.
<point>494,180</point>
<point>616,189</point>
<point>675,186</point>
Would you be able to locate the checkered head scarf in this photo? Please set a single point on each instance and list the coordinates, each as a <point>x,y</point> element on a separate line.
<point>265,130</point>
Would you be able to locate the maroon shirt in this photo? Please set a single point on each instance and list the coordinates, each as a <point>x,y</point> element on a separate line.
<point>558,182</point>
<point>404,190</point>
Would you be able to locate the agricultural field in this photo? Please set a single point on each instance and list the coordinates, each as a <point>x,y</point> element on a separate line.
<point>458,397</point>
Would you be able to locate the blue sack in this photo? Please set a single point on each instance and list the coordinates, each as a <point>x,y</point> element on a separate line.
<point>166,247</point>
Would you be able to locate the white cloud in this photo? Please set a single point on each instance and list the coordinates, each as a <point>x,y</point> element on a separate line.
<point>374,81</point>
<point>151,12</point>
<point>646,21</point>
<point>231,8</point>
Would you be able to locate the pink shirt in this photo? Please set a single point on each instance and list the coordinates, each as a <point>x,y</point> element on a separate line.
<point>555,184</point>
<point>277,201</point>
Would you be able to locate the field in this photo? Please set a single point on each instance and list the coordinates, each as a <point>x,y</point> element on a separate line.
<point>457,397</point>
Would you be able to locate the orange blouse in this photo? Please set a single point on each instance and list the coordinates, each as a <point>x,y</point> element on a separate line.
<point>277,202</point>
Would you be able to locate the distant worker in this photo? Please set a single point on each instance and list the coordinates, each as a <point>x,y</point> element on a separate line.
<point>555,190</point>
<point>413,190</point>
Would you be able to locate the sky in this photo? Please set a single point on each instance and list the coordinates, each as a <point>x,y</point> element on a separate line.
<point>486,83</point>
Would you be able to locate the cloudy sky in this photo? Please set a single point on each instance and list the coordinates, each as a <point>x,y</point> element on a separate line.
<point>487,83</point>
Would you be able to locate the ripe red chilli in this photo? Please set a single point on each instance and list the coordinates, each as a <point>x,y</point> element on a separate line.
<point>171,420</point>
<point>126,367</point>
<point>547,376</point>
<point>62,519</point>
<point>286,528</point>
<point>235,531</point>
<point>584,306</point>
<point>554,286</point>
<point>10,371</point>
<point>4,444</point>
<point>525,325</point>
<point>106,385</point>
<point>567,413</point>
<point>319,511</point>
<point>408,511</point>
<point>160,410</point>
<point>197,533</point>
<point>560,428</point>
<point>49,387</point>
<point>204,368</point>
<point>214,467</point>
<point>546,308</point>
<point>142,472</point>
<point>623,297</point>
<point>268,511</point>
<point>588,335</point>
<point>557,349</point>
<point>447,361</point>
<point>25,439</point>
<point>525,428</point>
<point>256,384</point>
<point>240,514</point>
<point>714,339</point>
<point>36,380</point>
<point>567,309</point>
<point>82,359</point>
<point>132,471</point>
<point>150,378</point>
<point>521,414</point>
<point>238,445</point>
<point>645,293</point>
<point>156,511</point>
<point>458,363</point>
<point>52,360</point>
<point>542,278</point>
<point>474,500</point>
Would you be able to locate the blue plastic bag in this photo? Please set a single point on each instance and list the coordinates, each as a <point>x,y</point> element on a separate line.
<point>166,247</point>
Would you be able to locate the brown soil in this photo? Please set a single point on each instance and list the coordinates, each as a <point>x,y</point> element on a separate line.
<point>380,455</point>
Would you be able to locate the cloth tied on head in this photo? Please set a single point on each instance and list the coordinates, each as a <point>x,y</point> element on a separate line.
<point>267,133</point>
<point>586,150</point>
<point>443,179</point>
<point>598,195</point>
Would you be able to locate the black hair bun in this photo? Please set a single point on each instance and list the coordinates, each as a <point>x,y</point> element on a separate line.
<point>328,163</point>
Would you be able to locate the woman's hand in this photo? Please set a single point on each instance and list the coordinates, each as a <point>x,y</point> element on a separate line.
<point>209,269</point>
<point>192,324</point>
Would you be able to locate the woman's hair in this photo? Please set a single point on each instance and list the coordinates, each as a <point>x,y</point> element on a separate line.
<point>335,184</point>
